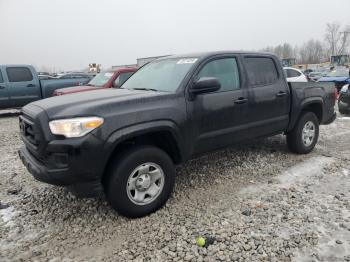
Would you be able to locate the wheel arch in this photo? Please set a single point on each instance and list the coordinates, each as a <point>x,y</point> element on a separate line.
<point>312,104</point>
<point>162,134</point>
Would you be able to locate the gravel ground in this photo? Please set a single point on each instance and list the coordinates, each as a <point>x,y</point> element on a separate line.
<point>260,203</point>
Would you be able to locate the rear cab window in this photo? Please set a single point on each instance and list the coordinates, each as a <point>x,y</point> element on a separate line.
<point>261,71</point>
<point>19,74</point>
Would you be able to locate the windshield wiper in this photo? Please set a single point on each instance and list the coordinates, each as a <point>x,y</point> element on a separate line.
<point>146,89</point>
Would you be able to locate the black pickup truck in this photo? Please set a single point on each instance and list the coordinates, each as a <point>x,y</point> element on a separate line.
<point>125,142</point>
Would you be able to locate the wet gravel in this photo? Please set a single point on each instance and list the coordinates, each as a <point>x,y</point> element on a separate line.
<point>257,200</point>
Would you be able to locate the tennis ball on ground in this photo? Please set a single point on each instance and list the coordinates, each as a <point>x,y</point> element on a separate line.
<point>201,241</point>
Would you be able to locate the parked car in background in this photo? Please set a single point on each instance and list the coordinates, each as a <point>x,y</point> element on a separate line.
<point>314,76</point>
<point>344,100</point>
<point>308,71</point>
<point>20,85</point>
<point>46,77</point>
<point>75,75</point>
<point>43,73</point>
<point>125,142</point>
<point>294,75</point>
<point>339,77</point>
<point>102,80</point>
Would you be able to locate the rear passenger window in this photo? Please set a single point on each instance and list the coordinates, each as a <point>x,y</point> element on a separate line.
<point>1,79</point>
<point>260,70</point>
<point>225,70</point>
<point>19,74</point>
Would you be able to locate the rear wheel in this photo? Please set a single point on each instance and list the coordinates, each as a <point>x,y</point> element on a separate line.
<point>303,138</point>
<point>140,181</point>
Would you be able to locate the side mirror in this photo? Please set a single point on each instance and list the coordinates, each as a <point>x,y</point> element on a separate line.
<point>205,85</point>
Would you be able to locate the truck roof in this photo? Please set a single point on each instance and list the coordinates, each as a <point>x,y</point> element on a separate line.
<point>15,65</point>
<point>207,54</point>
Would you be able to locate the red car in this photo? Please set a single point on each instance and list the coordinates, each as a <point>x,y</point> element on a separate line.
<point>107,79</point>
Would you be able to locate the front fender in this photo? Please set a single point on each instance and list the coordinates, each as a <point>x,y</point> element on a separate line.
<point>128,132</point>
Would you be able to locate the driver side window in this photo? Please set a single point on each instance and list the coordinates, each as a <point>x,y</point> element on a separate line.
<point>225,70</point>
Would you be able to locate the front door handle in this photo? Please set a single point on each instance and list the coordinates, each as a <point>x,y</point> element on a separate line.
<point>281,94</point>
<point>2,87</point>
<point>30,85</point>
<point>241,100</point>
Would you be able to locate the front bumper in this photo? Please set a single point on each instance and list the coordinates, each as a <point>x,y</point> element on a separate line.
<point>76,163</point>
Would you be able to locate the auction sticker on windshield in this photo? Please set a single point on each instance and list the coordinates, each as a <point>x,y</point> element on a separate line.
<point>187,61</point>
<point>108,74</point>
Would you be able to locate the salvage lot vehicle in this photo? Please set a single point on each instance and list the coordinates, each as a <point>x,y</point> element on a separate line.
<point>102,80</point>
<point>344,100</point>
<point>314,76</point>
<point>75,75</point>
<point>20,85</point>
<point>339,77</point>
<point>294,75</point>
<point>125,142</point>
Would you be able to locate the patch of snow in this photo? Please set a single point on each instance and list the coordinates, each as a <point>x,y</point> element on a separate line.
<point>7,214</point>
<point>344,118</point>
<point>310,167</point>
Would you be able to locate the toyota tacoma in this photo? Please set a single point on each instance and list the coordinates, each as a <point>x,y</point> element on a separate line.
<point>125,142</point>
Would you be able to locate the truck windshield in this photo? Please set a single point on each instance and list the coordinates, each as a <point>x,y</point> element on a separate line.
<point>100,79</point>
<point>161,75</point>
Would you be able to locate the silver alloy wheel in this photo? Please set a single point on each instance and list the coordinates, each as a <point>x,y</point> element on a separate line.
<point>308,133</point>
<point>145,183</point>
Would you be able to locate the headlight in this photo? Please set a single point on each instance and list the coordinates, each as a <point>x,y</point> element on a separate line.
<point>75,127</point>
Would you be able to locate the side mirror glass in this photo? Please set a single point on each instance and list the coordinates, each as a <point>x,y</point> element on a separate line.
<point>205,85</point>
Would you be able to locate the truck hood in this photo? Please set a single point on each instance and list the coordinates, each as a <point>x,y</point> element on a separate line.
<point>75,89</point>
<point>96,103</point>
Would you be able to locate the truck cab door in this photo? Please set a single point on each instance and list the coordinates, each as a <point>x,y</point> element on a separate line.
<point>217,116</point>
<point>23,85</point>
<point>269,96</point>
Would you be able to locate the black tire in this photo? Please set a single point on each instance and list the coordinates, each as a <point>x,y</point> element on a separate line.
<point>295,139</point>
<point>118,175</point>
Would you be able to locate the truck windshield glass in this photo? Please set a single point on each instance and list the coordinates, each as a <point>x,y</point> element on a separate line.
<point>100,79</point>
<point>161,75</point>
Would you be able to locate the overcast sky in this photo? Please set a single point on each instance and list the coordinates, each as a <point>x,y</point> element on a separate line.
<point>70,34</point>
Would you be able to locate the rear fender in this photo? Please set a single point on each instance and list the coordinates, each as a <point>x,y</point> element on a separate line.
<point>298,109</point>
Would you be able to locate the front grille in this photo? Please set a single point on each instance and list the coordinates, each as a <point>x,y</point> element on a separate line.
<point>28,131</point>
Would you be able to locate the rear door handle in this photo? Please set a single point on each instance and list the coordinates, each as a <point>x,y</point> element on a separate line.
<point>2,87</point>
<point>241,100</point>
<point>281,94</point>
<point>30,85</point>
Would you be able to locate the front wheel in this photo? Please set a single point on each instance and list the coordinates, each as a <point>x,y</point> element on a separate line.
<point>303,138</point>
<point>140,182</point>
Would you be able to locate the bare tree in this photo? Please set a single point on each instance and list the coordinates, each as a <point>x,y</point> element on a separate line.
<point>337,39</point>
<point>345,40</point>
<point>282,51</point>
<point>311,52</point>
<point>287,51</point>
